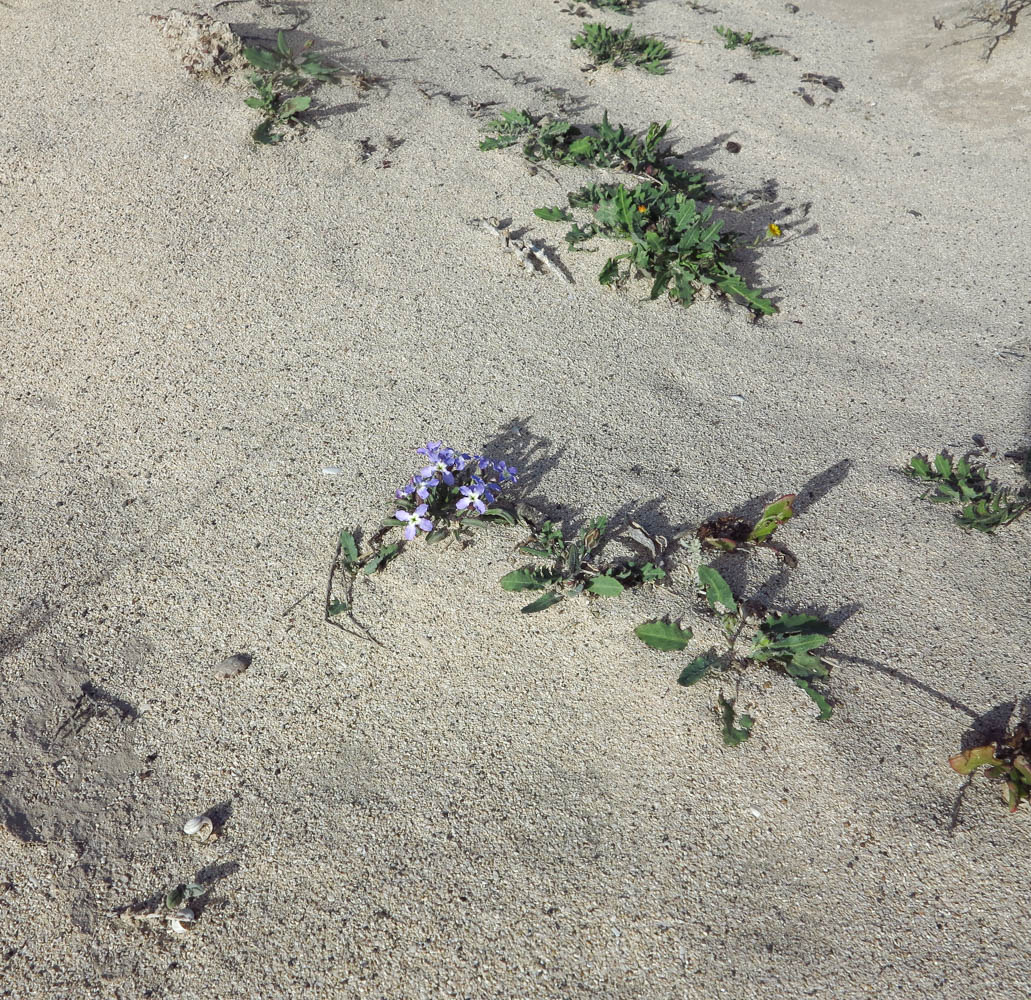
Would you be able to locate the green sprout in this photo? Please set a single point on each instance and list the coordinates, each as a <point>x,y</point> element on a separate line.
<point>786,643</point>
<point>601,145</point>
<point>281,79</point>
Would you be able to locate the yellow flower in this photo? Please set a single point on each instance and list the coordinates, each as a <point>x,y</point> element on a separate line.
<point>642,208</point>
<point>773,229</point>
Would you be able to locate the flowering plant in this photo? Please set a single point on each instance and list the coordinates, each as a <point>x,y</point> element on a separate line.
<point>452,491</point>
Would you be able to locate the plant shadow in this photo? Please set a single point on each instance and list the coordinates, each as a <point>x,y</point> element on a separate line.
<point>534,456</point>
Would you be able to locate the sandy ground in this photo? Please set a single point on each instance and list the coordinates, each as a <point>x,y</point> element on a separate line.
<point>489,805</point>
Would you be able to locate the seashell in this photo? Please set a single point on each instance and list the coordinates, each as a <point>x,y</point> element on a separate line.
<point>199,826</point>
<point>332,470</point>
<point>179,919</point>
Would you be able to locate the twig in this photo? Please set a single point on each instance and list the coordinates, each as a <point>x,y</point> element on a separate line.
<point>523,250</point>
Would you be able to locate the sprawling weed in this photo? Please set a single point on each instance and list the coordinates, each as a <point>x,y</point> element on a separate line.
<point>757,46</point>
<point>623,48</point>
<point>599,145</point>
<point>985,505</point>
<point>673,241</point>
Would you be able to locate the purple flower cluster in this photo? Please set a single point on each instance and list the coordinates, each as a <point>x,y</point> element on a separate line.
<point>450,484</point>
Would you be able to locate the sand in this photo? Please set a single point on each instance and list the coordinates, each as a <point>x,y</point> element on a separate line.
<point>487,804</point>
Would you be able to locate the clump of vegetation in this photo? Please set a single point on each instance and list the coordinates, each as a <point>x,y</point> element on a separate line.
<point>605,146</point>
<point>571,567</point>
<point>673,241</point>
<point>623,48</point>
<point>783,642</point>
<point>619,6</point>
<point>283,81</point>
<point>985,504</point>
<point>736,39</point>
<point>1008,760</point>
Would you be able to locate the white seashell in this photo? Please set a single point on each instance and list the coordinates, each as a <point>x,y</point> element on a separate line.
<point>332,470</point>
<point>199,826</point>
<point>178,919</point>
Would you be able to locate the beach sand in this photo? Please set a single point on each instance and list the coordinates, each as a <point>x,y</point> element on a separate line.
<point>485,804</point>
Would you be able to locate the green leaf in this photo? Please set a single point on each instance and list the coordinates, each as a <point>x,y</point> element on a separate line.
<point>262,58</point>
<point>348,547</point>
<point>773,517</point>
<point>381,557</point>
<point>605,586</point>
<point>500,514</point>
<point>717,590</point>
<point>255,102</point>
<point>294,106</point>
<point>970,760</point>
<point>609,272</point>
<point>284,49</point>
<point>821,702</point>
<point>527,578</point>
<point>919,468</point>
<point>542,602</point>
<point>337,608</point>
<point>776,625</point>
<point>697,669</point>
<point>734,735</point>
<point>263,134</point>
<point>650,573</point>
<point>552,214</point>
<point>664,636</point>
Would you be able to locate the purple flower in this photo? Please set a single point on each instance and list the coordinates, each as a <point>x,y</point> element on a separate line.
<point>441,462</point>
<point>423,488</point>
<point>505,473</point>
<point>407,490</point>
<point>473,496</point>
<point>414,521</point>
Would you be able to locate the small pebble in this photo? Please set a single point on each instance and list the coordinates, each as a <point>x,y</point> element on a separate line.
<point>737,399</point>
<point>755,812</point>
<point>332,470</point>
<point>233,665</point>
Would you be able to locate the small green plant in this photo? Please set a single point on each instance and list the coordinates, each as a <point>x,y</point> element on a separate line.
<point>618,6</point>
<point>1008,760</point>
<point>985,504</point>
<point>282,79</point>
<point>571,566</point>
<point>757,46</point>
<point>622,48</point>
<point>604,146</point>
<point>784,642</point>
<point>673,241</point>
<point>729,534</point>
<point>168,909</point>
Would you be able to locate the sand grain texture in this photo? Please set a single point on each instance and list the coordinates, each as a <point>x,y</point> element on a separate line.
<point>488,805</point>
